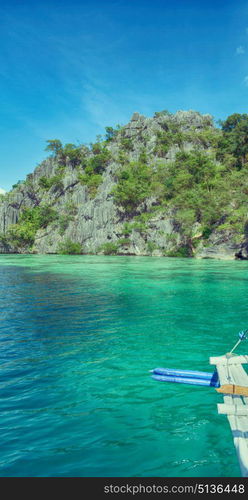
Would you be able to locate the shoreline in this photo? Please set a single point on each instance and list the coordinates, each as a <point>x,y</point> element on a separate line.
<point>218,257</point>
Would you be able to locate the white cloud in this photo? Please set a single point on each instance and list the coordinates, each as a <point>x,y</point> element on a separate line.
<point>246,81</point>
<point>240,50</point>
<point>2,191</point>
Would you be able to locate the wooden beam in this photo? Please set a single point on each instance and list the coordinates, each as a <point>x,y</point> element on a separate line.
<point>234,386</point>
<point>238,390</point>
<point>226,360</point>
<point>224,409</point>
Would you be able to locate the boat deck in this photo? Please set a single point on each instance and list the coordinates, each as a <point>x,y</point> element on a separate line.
<point>231,371</point>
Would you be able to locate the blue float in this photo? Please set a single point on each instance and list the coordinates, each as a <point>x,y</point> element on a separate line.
<point>186,377</point>
<point>181,373</point>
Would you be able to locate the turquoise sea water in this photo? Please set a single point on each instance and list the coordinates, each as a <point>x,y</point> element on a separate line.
<point>78,336</point>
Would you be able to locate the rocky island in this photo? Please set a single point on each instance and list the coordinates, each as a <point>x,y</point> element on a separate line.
<point>171,185</point>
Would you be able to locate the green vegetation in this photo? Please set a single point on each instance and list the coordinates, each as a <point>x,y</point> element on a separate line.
<point>206,231</point>
<point>173,134</point>
<point>133,186</point>
<point>54,146</point>
<point>163,144</point>
<point>93,167</point>
<point>47,182</point>
<point>234,140</point>
<point>23,233</point>
<point>139,223</point>
<point>18,184</point>
<point>140,227</point>
<point>112,248</point>
<point>143,158</point>
<point>182,251</point>
<point>109,248</point>
<point>124,242</point>
<point>4,240</point>
<point>3,197</point>
<point>163,113</point>
<point>68,247</point>
<point>100,159</point>
<point>151,246</point>
<point>126,144</point>
<point>75,154</point>
<point>204,189</point>
<point>39,216</point>
<point>111,133</point>
<point>91,180</point>
<point>123,158</point>
<point>127,229</point>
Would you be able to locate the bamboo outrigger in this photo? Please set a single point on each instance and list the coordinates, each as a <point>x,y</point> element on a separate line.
<point>234,385</point>
<point>229,379</point>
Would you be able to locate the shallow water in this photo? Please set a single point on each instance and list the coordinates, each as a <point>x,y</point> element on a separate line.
<point>78,336</point>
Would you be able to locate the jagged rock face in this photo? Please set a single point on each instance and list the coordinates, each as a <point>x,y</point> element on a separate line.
<point>98,220</point>
<point>223,251</point>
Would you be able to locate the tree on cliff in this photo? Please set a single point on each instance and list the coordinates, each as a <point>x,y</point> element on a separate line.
<point>54,145</point>
<point>235,138</point>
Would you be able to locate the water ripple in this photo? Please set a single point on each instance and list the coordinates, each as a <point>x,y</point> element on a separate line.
<point>77,338</point>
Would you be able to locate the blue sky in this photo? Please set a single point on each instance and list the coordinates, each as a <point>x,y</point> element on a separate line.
<point>70,68</point>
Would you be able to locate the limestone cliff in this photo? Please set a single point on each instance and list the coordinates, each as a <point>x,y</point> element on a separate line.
<point>80,193</point>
